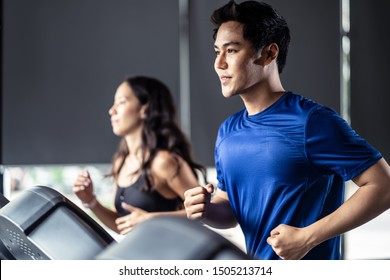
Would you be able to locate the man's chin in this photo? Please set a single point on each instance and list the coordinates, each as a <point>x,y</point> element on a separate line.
<point>228,94</point>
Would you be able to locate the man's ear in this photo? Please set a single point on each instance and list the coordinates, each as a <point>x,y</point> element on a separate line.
<point>268,54</point>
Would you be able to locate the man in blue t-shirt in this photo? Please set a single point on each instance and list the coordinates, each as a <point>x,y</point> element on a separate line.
<point>282,161</point>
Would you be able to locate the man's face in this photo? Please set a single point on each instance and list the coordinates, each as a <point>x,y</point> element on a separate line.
<point>235,61</point>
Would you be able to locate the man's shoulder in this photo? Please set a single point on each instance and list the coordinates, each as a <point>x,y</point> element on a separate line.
<point>230,124</point>
<point>302,107</point>
<point>233,119</point>
<point>300,101</point>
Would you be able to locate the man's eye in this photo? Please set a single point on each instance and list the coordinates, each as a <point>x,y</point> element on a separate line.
<point>231,51</point>
<point>217,52</point>
<point>119,102</point>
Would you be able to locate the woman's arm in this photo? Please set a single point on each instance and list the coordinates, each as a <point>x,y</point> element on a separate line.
<point>172,176</point>
<point>84,189</point>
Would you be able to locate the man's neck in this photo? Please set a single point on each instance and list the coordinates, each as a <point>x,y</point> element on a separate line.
<point>260,98</point>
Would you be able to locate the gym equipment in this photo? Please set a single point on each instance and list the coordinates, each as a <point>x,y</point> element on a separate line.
<point>172,238</point>
<point>3,200</point>
<point>40,224</point>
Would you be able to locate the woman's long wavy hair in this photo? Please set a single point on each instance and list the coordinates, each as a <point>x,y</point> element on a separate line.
<point>160,130</point>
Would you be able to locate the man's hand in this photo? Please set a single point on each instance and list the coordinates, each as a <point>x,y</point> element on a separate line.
<point>289,243</point>
<point>197,200</point>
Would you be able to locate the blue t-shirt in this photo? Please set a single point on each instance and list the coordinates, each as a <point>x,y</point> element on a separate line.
<point>287,165</point>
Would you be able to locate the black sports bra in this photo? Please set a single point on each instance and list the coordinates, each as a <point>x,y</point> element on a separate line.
<point>150,201</point>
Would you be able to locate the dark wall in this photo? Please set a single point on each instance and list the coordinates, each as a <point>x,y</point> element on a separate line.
<point>312,65</point>
<point>62,61</point>
<point>370,58</point>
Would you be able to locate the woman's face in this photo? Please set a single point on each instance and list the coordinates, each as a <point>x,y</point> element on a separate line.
<point>126,112</point>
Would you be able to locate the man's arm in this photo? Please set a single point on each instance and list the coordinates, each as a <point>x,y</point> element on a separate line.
<point>370,200</point>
